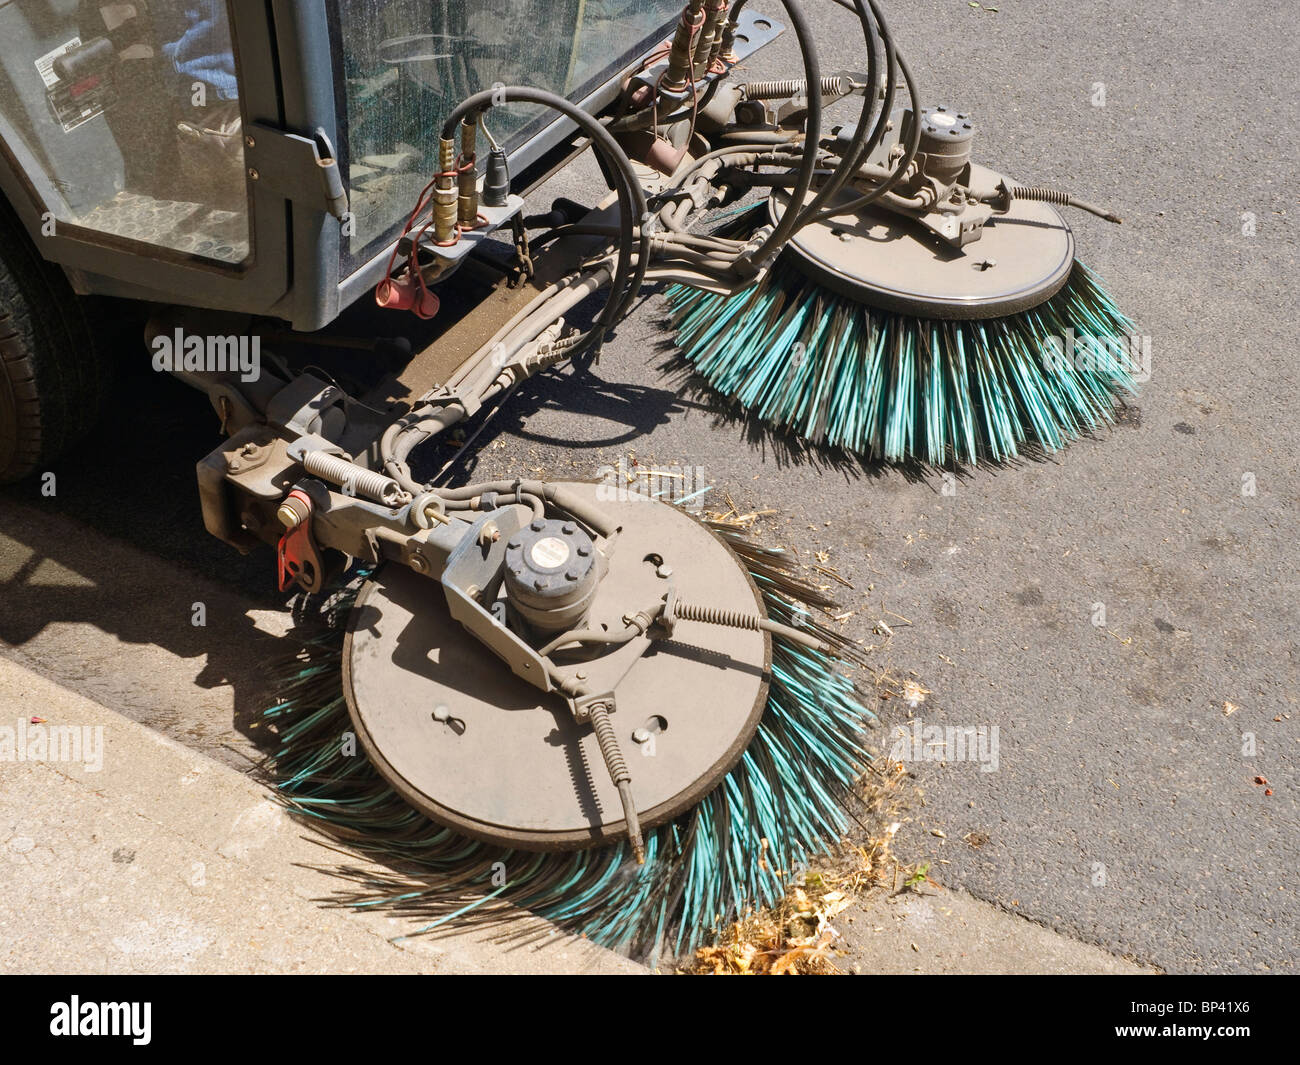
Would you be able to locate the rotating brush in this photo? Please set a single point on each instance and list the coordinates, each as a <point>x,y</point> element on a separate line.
<point>923,308</point>
<point>786,800</point>
<point>897,387</point>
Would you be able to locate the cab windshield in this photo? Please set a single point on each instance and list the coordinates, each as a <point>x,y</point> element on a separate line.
<point>406,63</point>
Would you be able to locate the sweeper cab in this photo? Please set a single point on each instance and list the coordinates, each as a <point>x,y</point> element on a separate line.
<point>261,177</point>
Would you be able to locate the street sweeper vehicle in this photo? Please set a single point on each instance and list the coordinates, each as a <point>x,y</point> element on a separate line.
<point>509,651</point>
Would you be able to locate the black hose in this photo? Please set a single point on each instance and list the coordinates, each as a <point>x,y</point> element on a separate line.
<point>913,143</point>
<point>632,203</point>
<point>785,228</point>
<point>861,144</point>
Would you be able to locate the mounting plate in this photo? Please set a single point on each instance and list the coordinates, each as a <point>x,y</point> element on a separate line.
<point>475,747</point>
<point>890,261</point>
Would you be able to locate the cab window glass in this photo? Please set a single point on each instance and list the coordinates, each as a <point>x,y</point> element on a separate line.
<point>129,115</point>
<point>407,63</point>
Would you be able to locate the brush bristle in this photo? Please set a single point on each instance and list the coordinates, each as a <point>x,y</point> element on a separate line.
<point>784,803</point>
<point>896,387</point>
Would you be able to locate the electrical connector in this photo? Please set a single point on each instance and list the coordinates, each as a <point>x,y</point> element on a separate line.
<point>496,182</point>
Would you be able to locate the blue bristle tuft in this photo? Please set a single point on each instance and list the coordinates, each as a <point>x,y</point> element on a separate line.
<point>898,388</point>
<point>783,804</point>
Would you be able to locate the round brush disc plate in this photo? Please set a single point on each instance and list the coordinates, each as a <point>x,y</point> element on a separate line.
<point>890,261</point>
<point>509,764</point>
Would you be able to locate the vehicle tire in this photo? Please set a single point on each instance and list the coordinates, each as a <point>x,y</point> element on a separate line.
<point>52,379</point>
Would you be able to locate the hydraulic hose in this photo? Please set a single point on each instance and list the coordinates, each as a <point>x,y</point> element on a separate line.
<point>860,149</point>
<point>909,155</point>
<point>533,502</point>
<point>429,419</point>
<point>789,222</point>
<point>632,203</point>
<point>862,143</point>
<point>562,498</point>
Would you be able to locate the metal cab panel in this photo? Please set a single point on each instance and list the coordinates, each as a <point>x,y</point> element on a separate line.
<point>91,160</point>
<point>105,143</point>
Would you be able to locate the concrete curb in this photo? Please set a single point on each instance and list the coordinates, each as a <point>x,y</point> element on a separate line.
<point>166,861</point>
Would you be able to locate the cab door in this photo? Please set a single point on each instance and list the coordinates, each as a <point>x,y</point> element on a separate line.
<point>122,146</point>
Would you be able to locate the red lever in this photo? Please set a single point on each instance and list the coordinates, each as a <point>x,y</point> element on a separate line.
<point>296,554</point>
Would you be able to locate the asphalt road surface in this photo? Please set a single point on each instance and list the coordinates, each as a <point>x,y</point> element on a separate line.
<point>1122,613</point>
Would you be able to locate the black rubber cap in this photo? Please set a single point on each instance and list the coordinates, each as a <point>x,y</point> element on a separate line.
<point>496,182</point>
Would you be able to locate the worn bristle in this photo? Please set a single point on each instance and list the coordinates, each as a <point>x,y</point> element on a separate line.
<point>782,804</point>
<point>895,387</point>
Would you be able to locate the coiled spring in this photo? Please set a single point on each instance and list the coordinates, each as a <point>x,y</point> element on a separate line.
<point>352,478</point>
<point>609,745</point>
<point>832,85</point>
<point>713,616</point>
<point>1040,194</point>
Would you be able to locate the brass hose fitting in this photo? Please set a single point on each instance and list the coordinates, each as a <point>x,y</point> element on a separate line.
<point>467,214</point>
<point>445,194</point>
<point>710,45</point>
<point>727,53</point>
<point>681,65</point>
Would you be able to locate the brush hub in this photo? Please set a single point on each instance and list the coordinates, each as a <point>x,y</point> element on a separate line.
<point>946,139</point>
<point>476,748</point>
<point>551,574</point>
<point>887,260</point>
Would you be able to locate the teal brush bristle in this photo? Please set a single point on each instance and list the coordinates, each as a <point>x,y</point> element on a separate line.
<point>785,802</point>
<point>895,387</point>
